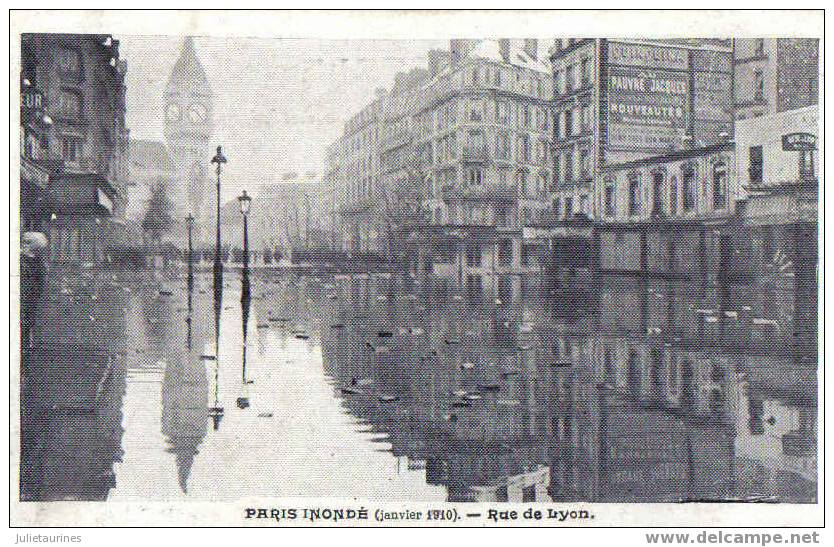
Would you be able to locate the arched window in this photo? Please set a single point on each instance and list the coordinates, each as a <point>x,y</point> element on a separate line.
<point>690,188</point>
<point>634,200</point>
<point>719,186</point>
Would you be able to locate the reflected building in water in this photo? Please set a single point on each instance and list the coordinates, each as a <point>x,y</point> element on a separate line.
<point>524,400</point>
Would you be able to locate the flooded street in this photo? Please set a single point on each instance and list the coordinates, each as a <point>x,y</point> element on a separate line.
<point>382,387</point>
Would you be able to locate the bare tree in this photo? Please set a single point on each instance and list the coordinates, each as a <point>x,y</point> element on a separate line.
<point>402,201</point>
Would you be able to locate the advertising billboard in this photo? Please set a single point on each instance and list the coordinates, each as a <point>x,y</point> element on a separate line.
<point>648,109</point>
<point>657,94</point>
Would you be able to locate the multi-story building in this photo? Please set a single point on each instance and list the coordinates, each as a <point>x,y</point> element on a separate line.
<point>357,156</point>
<point>77,139</point>
<point>463,144</point>
<point>697,183</point>
<point>774,74</point>
<point>618,101</point>
<point>292,215</point>
<point>485,117</point>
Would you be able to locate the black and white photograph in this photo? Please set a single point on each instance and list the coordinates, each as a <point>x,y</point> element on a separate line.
<point>415,280</point>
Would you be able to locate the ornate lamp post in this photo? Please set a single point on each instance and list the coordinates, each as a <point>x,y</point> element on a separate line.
<point>219,159</point>
<point>245,202</point>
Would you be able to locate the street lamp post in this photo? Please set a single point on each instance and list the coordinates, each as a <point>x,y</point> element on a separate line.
<point>245,202</point>
<point>219,159</point>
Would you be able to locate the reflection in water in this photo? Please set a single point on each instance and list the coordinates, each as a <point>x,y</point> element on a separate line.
<point>245,306</point>
<point>184,400</point>
<point>388,387</point>
<point>216,410</point>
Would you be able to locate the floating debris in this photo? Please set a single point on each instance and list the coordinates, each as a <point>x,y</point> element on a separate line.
<point>265,415</point>
<point>351,391</point>
<point>205,357</point>
<point>461,404</point>
<point>473,396</point>
<point>387,398</point>
<point>385,334</point>
<point>302,336</point>
<point>415,331</point>
<point>263,325</point>
<point>467,366</point>
<point>489,387</point>
<point>451,341</point>
<point>459,392</point>
<point>166,293</point>
<point>337,326</point>
<point>562,364</point>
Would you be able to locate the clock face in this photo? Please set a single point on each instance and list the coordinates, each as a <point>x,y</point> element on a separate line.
<point>172,113</point>
<point>197,113</point>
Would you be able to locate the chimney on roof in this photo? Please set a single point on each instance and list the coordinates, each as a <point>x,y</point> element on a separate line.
<point>438,60</point>
<point>459,48</point>
<point>504,49</point>
<point>531,48</point>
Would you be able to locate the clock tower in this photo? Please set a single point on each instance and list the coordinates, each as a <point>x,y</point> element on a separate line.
<point>188,129</point>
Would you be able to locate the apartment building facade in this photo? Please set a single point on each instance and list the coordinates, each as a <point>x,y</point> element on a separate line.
<point>79,144</point>
<point>619,101</point>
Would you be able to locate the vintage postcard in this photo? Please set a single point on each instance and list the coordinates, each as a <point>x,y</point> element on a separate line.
<point>458,269</point>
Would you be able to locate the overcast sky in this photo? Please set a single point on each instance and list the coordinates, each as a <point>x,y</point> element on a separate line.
<point>277,103</point>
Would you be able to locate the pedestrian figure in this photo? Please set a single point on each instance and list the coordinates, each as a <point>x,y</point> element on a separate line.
<point>32,282</point>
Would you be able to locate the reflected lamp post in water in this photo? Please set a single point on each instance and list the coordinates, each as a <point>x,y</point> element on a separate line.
<point>245,202</point>
<point>189,224</point>
<point>243,400</point>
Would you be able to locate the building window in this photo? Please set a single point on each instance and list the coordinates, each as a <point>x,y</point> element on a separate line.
<point>557,207</point>
<point>569,78</point>
<point>758,85</point>
<point>633,194</point>
<point>610,201</point>
<point>756,169</point>
<point>72,149</point>
<point>673,195</point>
<point>473,177</point>
<point>568,166</point>
<point>585,164</point>
<point>568,207</point>
<point>69,104</point>
<point>587,114</point>
<point>522,183</point>
<point>689,189</point>
<point>476,111</point>
<point>657,193</point>
<point>556,126</point>
<point>586,72</point>
<point>505,253</point>
<point>557,170</point>
<point>568,123</point>
<point>719,187</point>
<point>502,145</point>
<point>502,112</point>
<point>69,62</point>
<point>584,204</point>
<point>543,183</point>
<point>759,47</point>
<point>526,217</point>
<point>473,255</point>
<point>523,149</point>
<point>806,165</point>
<point>557,83</point>
<point>528,121</point>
